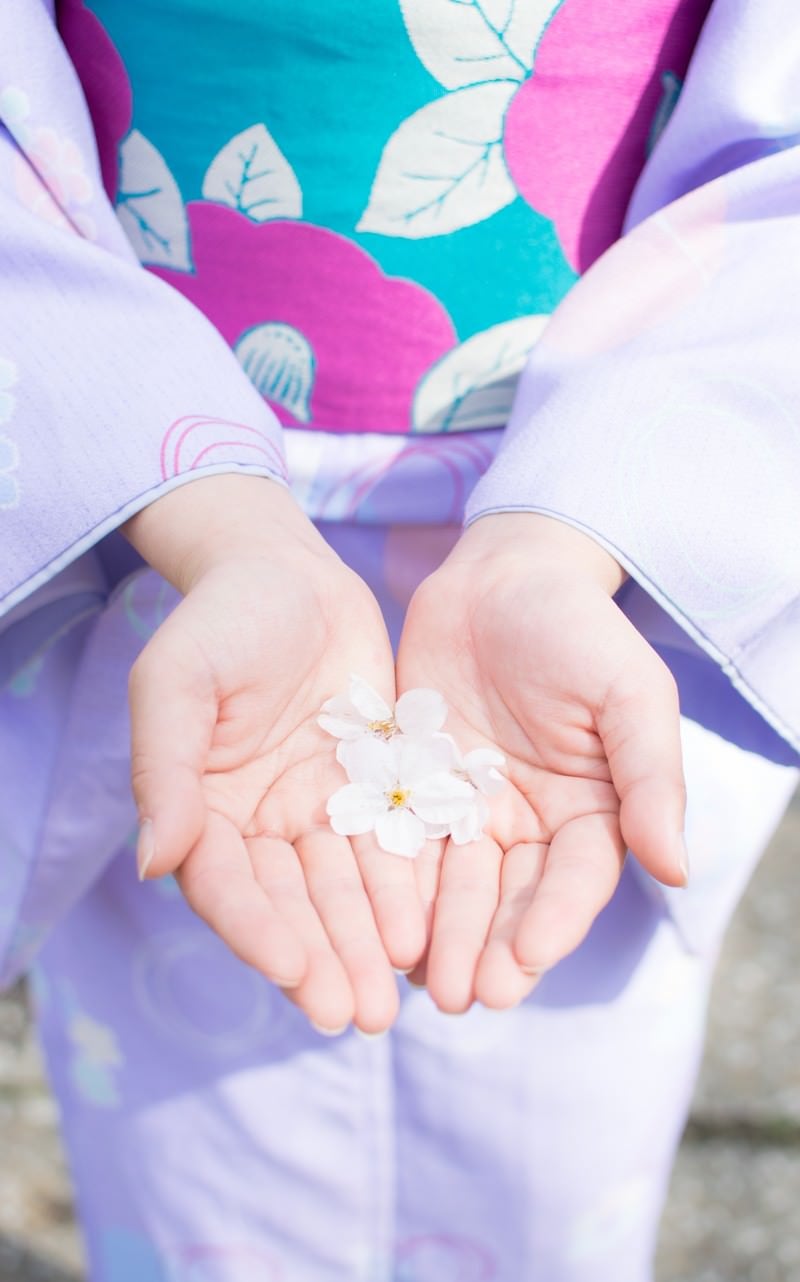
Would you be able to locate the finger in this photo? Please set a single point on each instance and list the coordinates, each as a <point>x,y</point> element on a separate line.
<point>218,882</point>
<point>399,914</point>
<point>173,713</point>
<point>428,874</point>
<point>499,981</point>
<point>418,977</point>
<point>640,728</point>
<point>325,993</point>
<point>580,876</point>
<point>469,891</point>
<point>340,898</point>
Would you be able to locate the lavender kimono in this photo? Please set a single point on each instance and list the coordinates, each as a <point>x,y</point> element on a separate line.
<point>213,1136</point>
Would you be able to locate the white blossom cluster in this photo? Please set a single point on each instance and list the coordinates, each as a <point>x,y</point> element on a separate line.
<point>408,781</point>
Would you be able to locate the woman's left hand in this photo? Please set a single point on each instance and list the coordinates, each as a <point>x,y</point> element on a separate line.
<point>519,632</point>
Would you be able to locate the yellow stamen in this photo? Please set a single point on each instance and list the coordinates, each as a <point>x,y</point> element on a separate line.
<point>383,729</point>
<point>398,797</point>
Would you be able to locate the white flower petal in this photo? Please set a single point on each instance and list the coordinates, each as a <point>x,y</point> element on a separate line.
<point>481,766</point>
<point>470,826</point>
<point>341,706</point>
<point>418,758</point>
<point>441,798</point>
<point>400,833</point>
<point>434,832</point>
<point>354,809</point>
<point>367,701</point>
<point>368,760</point>
<point>465,829</point>
<point>341,728</point>
<point>420,712</point>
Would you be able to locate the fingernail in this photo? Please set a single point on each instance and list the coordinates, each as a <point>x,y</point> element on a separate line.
<point>399,970</point>
<point>145,847</point>
<point>370,1037</point>
<point>683,862</point>
<point>328,1032</point>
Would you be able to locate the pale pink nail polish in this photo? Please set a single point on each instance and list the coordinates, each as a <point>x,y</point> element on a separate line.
<point>328,1032</point>
<point>145,847</point>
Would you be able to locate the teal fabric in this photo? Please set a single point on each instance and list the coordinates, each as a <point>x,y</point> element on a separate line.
<point>331,81</point>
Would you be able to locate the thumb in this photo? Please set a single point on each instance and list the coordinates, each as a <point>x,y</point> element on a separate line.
<point>640,727</point>
<point>173,709</point>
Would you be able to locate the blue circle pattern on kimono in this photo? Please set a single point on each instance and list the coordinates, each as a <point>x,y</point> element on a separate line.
<point>750,422</point>
<point>189,986</point>
<point>23,684</point>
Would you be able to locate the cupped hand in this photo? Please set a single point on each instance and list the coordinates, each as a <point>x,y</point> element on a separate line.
<point>519,632</point>
<point>231,771</point>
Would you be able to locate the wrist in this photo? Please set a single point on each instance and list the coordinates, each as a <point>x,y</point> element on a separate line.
<point>214,520</point>
<point>542,545</point>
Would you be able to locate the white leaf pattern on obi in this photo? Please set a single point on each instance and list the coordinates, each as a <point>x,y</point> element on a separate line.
<point>466,42</point>
<point>280,362</point>
<point>473,386</point>
<point>443,168</point>
<point>252,175</point>
<point>150,207</point>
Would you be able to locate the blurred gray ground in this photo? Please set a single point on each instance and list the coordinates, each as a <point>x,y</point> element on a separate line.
<point>734,1211</point>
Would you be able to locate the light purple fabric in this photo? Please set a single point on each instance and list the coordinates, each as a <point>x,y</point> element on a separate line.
<point>660,409</point>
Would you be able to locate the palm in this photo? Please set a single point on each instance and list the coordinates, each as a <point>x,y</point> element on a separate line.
<point>556,687</point>
<point>242,666</point>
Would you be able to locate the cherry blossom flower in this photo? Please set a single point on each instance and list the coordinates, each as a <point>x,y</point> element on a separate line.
<point>480,767</point>
<point>408,779</point>
<point>362,712</point>
<point>61,163</point>
<point>402,790</point>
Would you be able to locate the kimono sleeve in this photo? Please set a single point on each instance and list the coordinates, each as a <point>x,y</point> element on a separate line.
<point>660,411</point>
<point>113,390</point>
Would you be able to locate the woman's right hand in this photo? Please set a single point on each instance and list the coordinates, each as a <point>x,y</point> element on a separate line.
<point>231,772</point>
